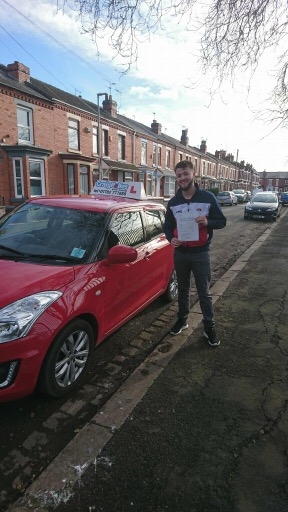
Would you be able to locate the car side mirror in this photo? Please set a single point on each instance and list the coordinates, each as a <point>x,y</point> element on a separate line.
<point>122,254</point>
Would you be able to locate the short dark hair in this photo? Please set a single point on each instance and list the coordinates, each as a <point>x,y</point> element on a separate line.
<point>184,164</point>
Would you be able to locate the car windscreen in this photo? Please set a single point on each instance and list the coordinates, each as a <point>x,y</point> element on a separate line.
<point>263,198</point>
<point>47,232</point>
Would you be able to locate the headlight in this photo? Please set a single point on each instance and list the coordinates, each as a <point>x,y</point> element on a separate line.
<point>17,318</point>
<point>272,208</point>
<point>248,208</point>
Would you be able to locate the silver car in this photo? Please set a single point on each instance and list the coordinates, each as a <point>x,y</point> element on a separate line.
<point>227,197</point>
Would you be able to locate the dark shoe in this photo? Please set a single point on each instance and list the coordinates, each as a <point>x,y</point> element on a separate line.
<point>178,327</point>
<point>210,334</point>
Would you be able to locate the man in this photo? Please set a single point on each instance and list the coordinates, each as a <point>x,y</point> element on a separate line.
<point>192,215</point>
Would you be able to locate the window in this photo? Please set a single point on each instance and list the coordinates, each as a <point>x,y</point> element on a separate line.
<point>121,147</point>
<point>149,180</point>
<point>105,148</point>
<point>143,152</point>
<point>84,179</point>
<point>169,186</point>
<point>159,156</point>
<point>167,160</point>
<point>128,227</point>
<point>105,174</point>
<point>18,177</point>
<point>73,134</point>
<point>25,125</point>
<point>154,223</point>
<point>37,182</point>
<point>70,179</point>
<point>95,139</point>
<point>154,154</point>
<point>180,157</point>
<point>195,165</point>
<point>128,176</point>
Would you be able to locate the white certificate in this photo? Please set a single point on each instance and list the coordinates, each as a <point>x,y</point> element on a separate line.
<point>187,227</point>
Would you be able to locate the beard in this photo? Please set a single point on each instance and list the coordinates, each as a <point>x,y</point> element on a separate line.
<point>188,186</point>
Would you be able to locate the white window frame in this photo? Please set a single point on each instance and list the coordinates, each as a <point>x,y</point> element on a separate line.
<point>121,146</point>
<point>73,134</point>
<point>19,178</point>
<point>41,178</point>
<point>168,158</point>
<point>95,139</point>
<point>149,184</point>
<point>144,147</point>
<point>84,179</point>
<point>71,178</point>
<point>169,186</point>
<point>26,127</point>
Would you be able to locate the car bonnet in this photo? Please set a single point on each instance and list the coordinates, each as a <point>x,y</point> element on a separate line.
<point>20,279</point>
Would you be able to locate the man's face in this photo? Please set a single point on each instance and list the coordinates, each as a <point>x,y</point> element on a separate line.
<point>184,178</point>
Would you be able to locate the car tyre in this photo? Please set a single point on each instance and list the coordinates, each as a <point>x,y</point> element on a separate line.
<point>66,363</point>
<point>171,292</point>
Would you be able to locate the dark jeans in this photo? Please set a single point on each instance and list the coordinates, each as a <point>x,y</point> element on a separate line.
<point>185,262</point>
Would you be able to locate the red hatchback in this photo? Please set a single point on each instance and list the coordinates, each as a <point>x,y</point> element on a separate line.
<point>73,270</point>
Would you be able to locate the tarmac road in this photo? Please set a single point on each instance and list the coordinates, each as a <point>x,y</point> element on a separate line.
<point>194,428</point>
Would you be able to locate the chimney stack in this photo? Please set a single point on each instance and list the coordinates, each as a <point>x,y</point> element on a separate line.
<point>156,127</point>
<point>184,137</point>
<point>19,71</point>
<point>203,146</point>
<point>110,106</point>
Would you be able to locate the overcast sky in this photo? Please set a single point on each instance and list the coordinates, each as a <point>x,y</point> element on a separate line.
<point>57,51</point>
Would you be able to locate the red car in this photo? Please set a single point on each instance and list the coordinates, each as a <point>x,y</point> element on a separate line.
<point>73,270</point>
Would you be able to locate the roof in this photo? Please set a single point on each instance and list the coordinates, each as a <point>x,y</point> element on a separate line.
<point>274,174</point>
<point>12,83</point>
<point>95,203</point>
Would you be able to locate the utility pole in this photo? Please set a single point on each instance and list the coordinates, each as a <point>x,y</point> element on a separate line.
<point>236,163</point>
<point>99,137</point>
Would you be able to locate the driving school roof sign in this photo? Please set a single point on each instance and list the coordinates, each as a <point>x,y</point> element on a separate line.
<point>130,189</point>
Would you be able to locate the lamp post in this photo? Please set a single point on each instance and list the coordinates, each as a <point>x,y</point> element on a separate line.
<point>236,163</point>
<point>99,138</point>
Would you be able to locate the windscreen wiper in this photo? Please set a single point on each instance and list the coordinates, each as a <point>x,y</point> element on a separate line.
<point>11,250</point>
<point>51,257</point>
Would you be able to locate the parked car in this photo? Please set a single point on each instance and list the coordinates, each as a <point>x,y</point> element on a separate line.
<point>73,270</point>
<point>284,198</point>
<point>240,194</point>
<point>263,205</point>
<point>227,198</point>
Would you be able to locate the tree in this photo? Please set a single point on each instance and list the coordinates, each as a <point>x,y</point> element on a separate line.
<point>233,34</point>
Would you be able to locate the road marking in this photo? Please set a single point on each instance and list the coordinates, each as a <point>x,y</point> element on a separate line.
<point>55,484</point>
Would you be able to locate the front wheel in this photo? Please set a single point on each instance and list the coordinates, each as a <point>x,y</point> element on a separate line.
<point>66,363</point>
<point>171,292</point>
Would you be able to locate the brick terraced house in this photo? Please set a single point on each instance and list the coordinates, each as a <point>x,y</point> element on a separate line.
<point>275,181</point>
<point>50,144</point>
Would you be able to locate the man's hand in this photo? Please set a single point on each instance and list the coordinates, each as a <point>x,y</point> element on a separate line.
<point>175,242</point>
<point>202,220</point>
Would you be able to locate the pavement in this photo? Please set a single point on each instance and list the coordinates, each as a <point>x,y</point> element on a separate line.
<point>194,428</point>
